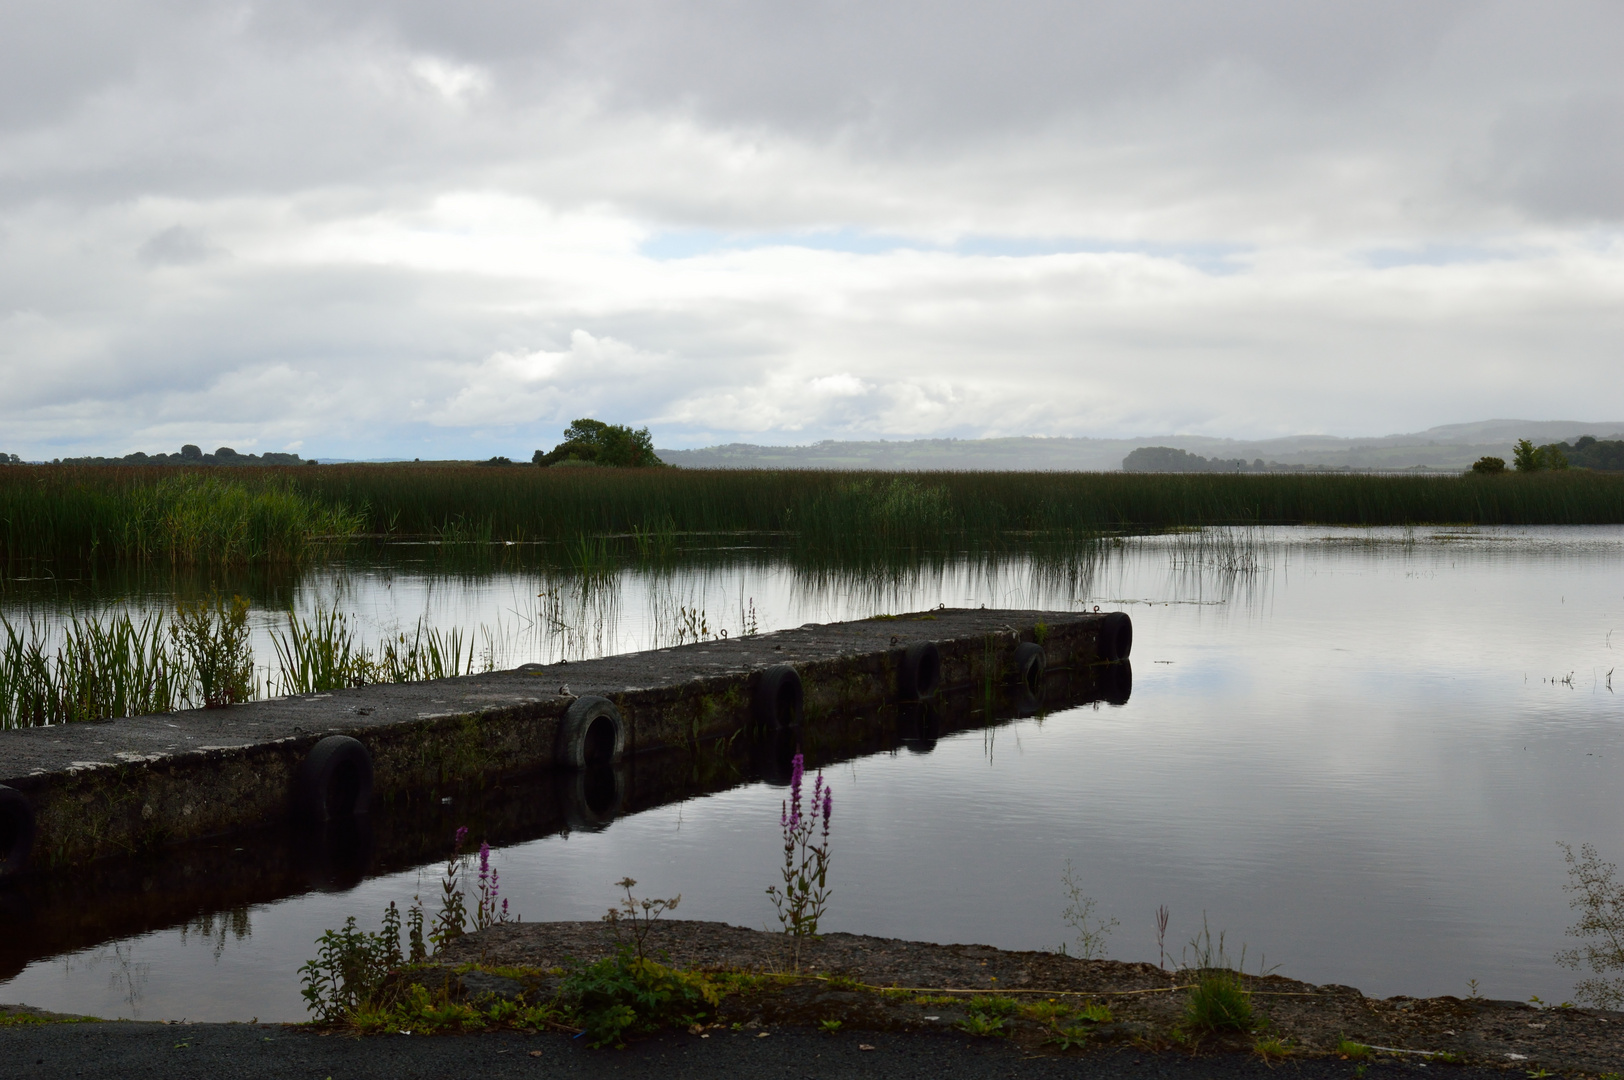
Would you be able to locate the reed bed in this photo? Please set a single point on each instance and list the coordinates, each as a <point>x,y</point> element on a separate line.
<point>185,518</point>
<point>927,510</point>
<point>274,514</point>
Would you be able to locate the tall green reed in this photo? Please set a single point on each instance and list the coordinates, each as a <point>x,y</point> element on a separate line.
<point>186,518</point>
<point>324,653</point>
<point>98,669</point>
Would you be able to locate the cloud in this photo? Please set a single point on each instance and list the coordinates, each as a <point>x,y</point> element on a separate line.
<point>174,246</point>
<point>451,231</point>
<point>524,388</point>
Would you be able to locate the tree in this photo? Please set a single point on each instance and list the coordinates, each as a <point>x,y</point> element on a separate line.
<point>597,443</point>
<point>1526,456</point>
<point>1489,466</point>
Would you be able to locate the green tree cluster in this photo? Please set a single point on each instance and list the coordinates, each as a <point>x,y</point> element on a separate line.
<point>593,442</point>
<point>1588,452</point>
<point>1531,458</point>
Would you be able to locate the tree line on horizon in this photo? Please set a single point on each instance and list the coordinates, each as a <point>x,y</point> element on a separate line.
<point>1586,452</point>
<point>1170,459</point>
<point>190,454</point>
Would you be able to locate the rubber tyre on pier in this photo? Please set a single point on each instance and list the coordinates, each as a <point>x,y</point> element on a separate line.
<point>1116,636</point>
<point>919,675</point>
<point>16,830</point>
<point>779,700</point>
<point>1030,666</point>
<point>335,781</point>
<point>592,733</point>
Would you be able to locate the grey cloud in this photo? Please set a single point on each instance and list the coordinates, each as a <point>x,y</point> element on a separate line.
<point>1565,161</point>
<point>1095,99</point>
<point>175,246</point>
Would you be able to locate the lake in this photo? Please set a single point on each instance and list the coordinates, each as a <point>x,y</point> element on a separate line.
<point>1355,751</point>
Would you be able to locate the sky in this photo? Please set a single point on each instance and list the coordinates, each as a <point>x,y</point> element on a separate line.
<point>364,229</point>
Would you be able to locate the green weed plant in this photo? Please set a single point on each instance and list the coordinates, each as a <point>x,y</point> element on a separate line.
<point>625,994</point>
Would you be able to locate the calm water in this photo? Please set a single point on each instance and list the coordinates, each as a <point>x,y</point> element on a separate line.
<point>1357,759</point>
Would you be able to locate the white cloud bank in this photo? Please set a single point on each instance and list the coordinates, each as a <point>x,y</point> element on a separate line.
<point>405,229</point>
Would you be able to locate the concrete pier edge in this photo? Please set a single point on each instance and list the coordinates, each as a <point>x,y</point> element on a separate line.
<point>122,786</point>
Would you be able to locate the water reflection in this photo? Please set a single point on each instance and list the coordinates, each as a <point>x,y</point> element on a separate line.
<point>213,927</point>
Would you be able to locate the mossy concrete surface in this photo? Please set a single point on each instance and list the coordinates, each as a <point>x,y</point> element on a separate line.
<point>125,785</point>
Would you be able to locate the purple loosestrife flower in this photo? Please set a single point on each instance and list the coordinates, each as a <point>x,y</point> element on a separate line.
<point>462,834</point>
<point>828,810</point>
<point>484,861</point>
<point>797,768</point>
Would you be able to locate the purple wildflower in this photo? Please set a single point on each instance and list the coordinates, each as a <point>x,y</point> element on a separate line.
<point>797,769</point>
<point>828,809</point>
<point>462,834</point>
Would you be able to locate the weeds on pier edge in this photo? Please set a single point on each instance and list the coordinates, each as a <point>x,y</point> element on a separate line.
<point>804,895</point>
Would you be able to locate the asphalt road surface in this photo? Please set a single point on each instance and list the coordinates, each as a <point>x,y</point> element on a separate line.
<point>133,1051</point>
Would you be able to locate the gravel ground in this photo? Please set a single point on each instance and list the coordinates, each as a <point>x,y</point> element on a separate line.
<point>1140,996</point>
<point>131,1051</point>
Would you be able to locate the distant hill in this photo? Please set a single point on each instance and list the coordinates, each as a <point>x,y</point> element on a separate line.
<point>1449,448</point>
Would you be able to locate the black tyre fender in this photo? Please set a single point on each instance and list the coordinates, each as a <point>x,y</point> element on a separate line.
<point>334,782</point>
<point>16,830</point>
<point>919,674</point>
<point>779,700</point>
<point>1116,636</point>
<point>591,733</point>
<point>1030,666</point>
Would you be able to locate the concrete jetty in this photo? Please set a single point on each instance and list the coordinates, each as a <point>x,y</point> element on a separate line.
<point>92,791</point>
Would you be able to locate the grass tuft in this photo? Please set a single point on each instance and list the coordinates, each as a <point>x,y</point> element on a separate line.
<point>1218,1003</point>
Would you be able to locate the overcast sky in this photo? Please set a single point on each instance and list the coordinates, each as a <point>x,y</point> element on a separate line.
<point>428,229</point>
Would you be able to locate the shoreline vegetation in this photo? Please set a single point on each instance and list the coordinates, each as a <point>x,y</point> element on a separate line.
<point>200,516</point>
<point>713,978</point>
